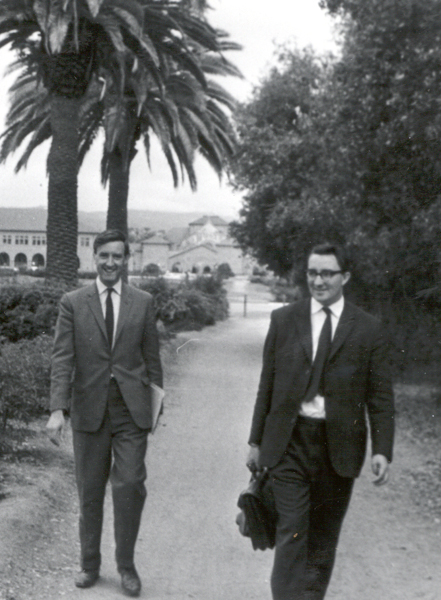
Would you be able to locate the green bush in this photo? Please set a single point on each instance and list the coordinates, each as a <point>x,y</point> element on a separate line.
<point>24,379</point>
<point>207,284</point>
<point>152,269</point>
<point>28,311</point>
<point>189,305</point>
<point>38,273</point>
<point>224,271</point>
<point>7,271</point>
<point>285,293</point>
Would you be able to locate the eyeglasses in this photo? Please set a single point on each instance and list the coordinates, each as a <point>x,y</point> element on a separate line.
<point>326,274</point>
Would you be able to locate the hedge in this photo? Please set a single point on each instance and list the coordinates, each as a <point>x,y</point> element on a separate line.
<point>27,311</point>
<point>24,379</point>
<point>189,305</point>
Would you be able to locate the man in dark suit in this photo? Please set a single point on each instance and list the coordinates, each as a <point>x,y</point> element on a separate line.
<point>105,356</point>
<point>324,366</point>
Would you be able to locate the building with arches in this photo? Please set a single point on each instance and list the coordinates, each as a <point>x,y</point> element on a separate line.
<point>23,239</point>
<point>201,247</point>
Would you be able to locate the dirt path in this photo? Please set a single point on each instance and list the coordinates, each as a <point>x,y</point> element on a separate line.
<point>189,546</point>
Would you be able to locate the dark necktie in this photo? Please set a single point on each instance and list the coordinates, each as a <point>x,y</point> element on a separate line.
<point>109,316</point>
<point>318,369</point>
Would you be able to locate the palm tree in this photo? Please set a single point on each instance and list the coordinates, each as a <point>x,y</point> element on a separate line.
<point>188,118</point>
<point>68,43</point>
<point>186,115</point>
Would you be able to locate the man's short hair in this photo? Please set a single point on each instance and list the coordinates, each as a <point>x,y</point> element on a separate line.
<point>111,235</point>
<point>335,249</point>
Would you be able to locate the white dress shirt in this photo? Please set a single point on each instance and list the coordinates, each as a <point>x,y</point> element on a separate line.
<point>316,407</point>
<point>116,301</point>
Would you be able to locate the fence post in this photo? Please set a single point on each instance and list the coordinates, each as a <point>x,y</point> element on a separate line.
<point>245,305</point>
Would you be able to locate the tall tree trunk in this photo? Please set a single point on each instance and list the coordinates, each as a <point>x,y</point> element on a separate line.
<point>62,220</point>
<point>117,215</point>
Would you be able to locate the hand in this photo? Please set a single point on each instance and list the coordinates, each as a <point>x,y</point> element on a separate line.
<point>380,468</point>
<point>253,458</point>
<point>55,426</point>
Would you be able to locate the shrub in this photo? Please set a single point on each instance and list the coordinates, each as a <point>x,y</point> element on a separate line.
<point>7,271</point>
<point>224,271</point>
<point>207,285</point>
<point>39,273</point>
<point>260,275</point>
<point>286,293</point>
<point>259,271</point>
<point>202,309</point>
<point>152,269</point>
<point>24,379</point>
<point>28,311</point>
<point>188,305</point>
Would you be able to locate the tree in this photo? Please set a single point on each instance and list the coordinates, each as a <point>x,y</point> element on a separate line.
<point>359,160</point>
<point>281,150</point>
<point>68,43</point>
<point>67,53</point>
<point>187,118</point>
<point>389,86</point>
<point>185,115</point>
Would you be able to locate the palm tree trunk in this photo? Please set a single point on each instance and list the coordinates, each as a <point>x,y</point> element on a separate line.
<point>62,221</point>
<point>117,215</point>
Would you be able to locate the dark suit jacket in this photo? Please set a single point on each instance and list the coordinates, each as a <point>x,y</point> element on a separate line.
<point>357,381</point>
<point>82,361</point>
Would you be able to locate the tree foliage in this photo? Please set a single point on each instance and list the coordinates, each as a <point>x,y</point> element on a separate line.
<point>349,149</point>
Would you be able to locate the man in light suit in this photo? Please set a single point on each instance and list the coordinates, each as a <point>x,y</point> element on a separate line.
<point>106,353</point>
<point>324,367</point>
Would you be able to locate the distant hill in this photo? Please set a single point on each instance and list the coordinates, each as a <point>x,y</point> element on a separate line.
<point>34,219</point>
<point>156,220</point>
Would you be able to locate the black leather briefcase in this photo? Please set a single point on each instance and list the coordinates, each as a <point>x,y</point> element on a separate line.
<point>258,515</point>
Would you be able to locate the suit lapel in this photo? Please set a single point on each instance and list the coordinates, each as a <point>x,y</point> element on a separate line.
<point>124,309</point>
<point>302,318</point>
<point>95,307</point>
<point>344,326</point>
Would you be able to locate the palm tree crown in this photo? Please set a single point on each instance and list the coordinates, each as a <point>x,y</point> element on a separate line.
<point>184,110</point>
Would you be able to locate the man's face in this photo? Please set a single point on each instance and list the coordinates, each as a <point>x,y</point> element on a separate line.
<point>326,290</point>
<point>110,261</point>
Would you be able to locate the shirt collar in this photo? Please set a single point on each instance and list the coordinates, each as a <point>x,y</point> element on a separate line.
<point>103,288</point>
<point>336,308</point>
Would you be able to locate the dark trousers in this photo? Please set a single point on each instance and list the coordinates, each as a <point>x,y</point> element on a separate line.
<point>121,437</point>
<point>311,501</point>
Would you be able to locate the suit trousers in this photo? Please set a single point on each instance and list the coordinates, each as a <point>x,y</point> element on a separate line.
<point>311,501</point>
<point>117,450</point>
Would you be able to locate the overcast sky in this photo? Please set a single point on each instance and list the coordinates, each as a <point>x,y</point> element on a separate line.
<point>257,25</point>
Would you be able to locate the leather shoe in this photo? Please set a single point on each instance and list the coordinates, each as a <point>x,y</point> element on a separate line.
<point>86,578</point>
<point>130,582</point>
